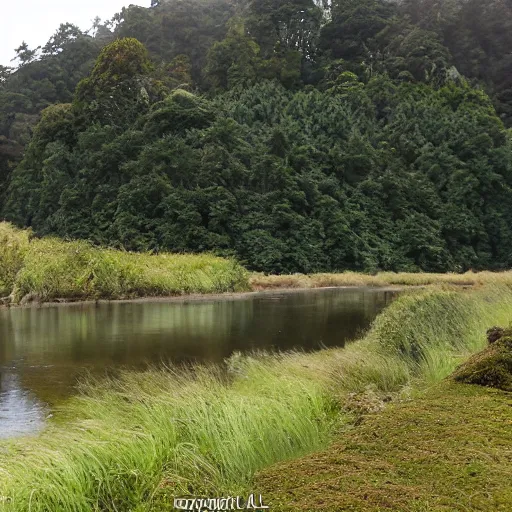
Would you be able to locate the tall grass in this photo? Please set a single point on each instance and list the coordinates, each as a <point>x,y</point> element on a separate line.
<point>152,435</point>
<point>13,247</point>
<point>137,441</point>
<point>50,268</point>
<point>433,331</point>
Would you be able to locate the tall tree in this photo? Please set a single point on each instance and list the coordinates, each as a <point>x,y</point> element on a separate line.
<point>24,54</point>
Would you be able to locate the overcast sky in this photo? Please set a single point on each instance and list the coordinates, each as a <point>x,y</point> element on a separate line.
<point>34,21</point>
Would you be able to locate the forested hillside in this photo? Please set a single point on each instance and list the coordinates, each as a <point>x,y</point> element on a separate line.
<point>299,136</point>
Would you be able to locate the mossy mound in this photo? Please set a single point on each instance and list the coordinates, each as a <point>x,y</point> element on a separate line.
<point>493,366</point>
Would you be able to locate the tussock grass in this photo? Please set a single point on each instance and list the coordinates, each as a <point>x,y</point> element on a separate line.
<point>433,331</point>
<point>49,268</point>
<point>139,440</point>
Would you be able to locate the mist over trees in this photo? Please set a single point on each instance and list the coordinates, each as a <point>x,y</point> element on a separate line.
<point>298,136</point>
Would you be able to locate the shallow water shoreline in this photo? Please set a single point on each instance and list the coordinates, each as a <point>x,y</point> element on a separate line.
<point>199,297</point>
<point>48,350</point>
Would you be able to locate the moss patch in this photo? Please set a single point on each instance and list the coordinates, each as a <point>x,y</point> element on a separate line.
<point>448,450</point>
<point>493,366</point>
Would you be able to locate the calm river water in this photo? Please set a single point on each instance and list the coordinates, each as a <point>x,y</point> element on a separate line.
<point>45,351</point>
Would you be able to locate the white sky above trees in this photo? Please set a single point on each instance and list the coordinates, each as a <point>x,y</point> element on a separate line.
<point>35,21</point>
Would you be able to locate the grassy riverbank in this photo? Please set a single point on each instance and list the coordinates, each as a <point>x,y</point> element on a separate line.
<point>42,270</point>
<point>49,268</point>
<point>134,443</point>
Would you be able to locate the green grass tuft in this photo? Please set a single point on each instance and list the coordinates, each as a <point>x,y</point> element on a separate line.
<point>435,330</point>
<point>146,437</point>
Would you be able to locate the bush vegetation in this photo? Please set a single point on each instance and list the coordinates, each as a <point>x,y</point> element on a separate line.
<point>135,442</point>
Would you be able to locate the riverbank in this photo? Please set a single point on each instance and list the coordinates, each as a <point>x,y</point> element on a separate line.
<point>49,270</point>
<point>192,298</point>
<point>136,442</point>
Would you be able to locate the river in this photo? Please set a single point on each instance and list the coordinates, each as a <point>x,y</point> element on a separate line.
<point>45,351</point>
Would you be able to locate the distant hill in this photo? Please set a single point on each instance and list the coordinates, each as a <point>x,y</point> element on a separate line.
<point>299,136</point>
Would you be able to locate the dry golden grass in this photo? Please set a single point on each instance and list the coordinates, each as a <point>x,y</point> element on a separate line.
<point>260,281</point>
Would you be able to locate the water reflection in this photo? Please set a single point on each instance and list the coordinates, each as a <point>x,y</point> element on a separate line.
<point>20,412</point>
<point>48,349</point>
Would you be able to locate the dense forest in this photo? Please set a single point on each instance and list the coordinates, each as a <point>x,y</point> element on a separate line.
<point>296,135</point>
